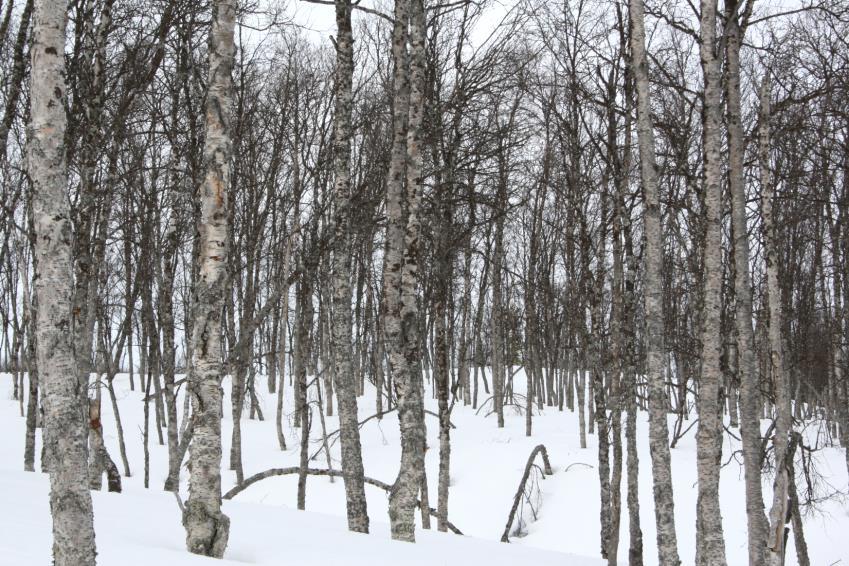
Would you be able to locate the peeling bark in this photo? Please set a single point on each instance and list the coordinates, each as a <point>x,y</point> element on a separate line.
<point>207,528</point>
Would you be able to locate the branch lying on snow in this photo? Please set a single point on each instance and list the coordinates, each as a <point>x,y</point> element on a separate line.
<point>273,472</point>
<point>332,473</point>
<point>569,467</point>
<point>481,406</point>
<point>540,449</point>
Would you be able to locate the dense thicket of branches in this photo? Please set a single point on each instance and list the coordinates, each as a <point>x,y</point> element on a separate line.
<point>522,242</point>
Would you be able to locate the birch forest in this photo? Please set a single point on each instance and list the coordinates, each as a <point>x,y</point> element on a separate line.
<point>518,281</point>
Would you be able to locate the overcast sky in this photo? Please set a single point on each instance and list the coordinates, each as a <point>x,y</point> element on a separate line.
<point>318,21</point>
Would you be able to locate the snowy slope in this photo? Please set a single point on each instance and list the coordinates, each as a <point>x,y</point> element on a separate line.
<point>143,527</point>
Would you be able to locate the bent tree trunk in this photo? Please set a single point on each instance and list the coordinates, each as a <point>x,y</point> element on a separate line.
<point>520,492</point>
<point>207,528</point>
<point>99,461</point>
<point>65,430</point>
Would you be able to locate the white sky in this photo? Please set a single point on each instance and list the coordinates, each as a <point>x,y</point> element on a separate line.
<point>319,23</point>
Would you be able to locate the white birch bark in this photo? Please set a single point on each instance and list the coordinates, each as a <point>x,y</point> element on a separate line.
<point>409,381</point>
<point>65,430</point>
<point>207,528</point>
<point>710,543</point>
<point>401,265</point>
<point>400,511</point>
<point>664,507</point>
<point>346,389</point>
<point>778,511</point>
<point>496,320</point>
<point>749,418</point>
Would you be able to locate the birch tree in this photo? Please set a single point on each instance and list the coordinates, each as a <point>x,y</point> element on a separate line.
<point>207,528</point>
<point>346,391</point>
<point>65,431</point>
<point>710,543</point>
<point>401,322</point>
<point>775,542</point>
<point>750,431</point>
<point>664,506</point>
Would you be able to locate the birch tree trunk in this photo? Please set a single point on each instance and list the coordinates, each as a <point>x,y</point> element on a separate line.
<point>303,322</point>
<point>410,402</point>
<point>401,318</point>
<point>838,374</point>
<point>628,386</point>
<point>400,509</point>
<point>618,364</point>
<point>842,323</point>
<point>749,415</point>
<point>99,461</point>
<point>463,351</point>
<point>16,81</point>
<point>207,528</point>
<point>65,431</point>
<point>393,261</point>
<point>346,389</point>
<point>496,317</point>
<point>581,385</point>
<point>394,241</point>
<point>166,316</point>
<point>29,323</point>
<point>283,344</point>
<point>88,216</point>
<point>710,543</point>
<point>777,513</point>
<point>599,395</point>
<point>443,269</point>
<point>664,507</point>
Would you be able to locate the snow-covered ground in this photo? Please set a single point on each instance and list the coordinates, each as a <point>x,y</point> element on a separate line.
<point>143,526</point>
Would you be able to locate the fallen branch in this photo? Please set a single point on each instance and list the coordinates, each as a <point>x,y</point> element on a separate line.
<point>481,405</point>
<point>517,499</point>
<point>569,467</point>
<point>273,472</point>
